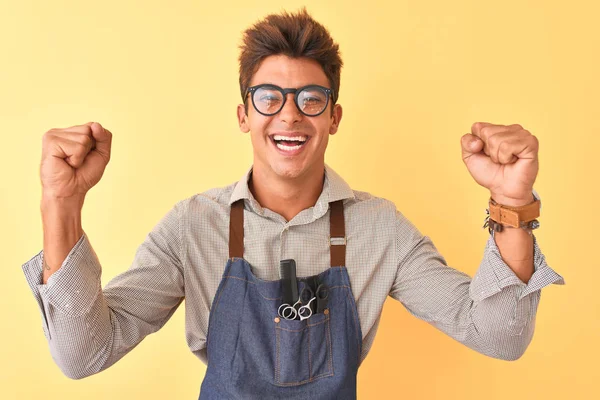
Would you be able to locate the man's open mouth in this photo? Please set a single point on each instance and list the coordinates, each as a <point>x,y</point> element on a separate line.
<point>289,143</point>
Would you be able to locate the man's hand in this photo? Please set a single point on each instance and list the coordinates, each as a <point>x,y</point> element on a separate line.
<point>74,159</point>
<point>503,159</point>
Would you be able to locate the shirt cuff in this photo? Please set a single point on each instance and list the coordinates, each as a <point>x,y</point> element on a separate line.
<point>73,288</point>
<point>494,274</point>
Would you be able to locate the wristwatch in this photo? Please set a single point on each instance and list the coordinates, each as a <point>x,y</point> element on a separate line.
<point>500,216</point>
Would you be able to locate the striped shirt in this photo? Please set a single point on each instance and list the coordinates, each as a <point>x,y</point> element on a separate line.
<point>89,328</point>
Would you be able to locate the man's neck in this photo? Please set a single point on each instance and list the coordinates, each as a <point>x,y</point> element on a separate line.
<point>286,197</point>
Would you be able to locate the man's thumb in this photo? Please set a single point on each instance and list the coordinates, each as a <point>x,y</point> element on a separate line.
<point>102,139</point>
<point>475,144</point>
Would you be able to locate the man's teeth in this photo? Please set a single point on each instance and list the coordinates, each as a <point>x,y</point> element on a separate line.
<point>299,139</point>
<point>287,148</point>
<point>290,138</point>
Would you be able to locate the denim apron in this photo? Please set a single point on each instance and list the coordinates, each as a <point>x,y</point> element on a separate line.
<point>255,354</point>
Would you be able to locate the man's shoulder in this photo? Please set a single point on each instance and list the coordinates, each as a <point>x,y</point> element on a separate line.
<point>210,201</point>
<point>377,209</point>
<point>370,205</point>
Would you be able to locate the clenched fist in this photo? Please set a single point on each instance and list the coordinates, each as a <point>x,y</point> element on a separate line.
<point>74,159</point>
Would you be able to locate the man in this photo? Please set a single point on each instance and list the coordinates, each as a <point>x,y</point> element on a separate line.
<point>221,249</point>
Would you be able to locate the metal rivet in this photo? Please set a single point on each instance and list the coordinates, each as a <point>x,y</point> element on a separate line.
<point>326,311</point>
<point>276,320</point>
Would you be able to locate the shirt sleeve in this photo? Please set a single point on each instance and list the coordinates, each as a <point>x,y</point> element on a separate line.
<point>492,313</point>
<point>89,328</point>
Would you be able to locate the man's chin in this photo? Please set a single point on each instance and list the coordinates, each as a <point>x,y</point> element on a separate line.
<point>289,170</point>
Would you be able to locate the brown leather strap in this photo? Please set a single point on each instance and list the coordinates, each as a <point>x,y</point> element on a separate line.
<point>236,229</point>
<point>514,216</point>
<point>337,239</point>
<point>337,236</point>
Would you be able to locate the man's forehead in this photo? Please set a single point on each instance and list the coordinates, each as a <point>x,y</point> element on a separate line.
<point>289,72</point>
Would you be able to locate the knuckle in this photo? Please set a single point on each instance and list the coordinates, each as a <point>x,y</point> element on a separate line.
<point>86,140</point>
<point>47,138</point>
<point>502,145</point>
<point>81,148</point>
<point>494,140</point>
<point>536,141</point>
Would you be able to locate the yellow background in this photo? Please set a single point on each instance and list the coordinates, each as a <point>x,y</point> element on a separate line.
<point>163,76</point>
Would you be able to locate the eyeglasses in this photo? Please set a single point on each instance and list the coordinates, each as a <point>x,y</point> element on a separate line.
<point>269,99</point>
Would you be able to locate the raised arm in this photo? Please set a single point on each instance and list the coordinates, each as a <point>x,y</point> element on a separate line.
<point>492,313</point>
<point>89,328</point>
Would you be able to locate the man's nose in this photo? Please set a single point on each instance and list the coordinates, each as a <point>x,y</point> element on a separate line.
<point>290,113</point>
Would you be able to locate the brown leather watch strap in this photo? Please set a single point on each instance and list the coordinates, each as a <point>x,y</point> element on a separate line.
<point>514,216</point>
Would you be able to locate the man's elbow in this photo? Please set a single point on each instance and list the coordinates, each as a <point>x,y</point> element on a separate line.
<point>513,346</point>
<point>75,371</point>
<point>77,365</point>
<point>74,374</point>
<point>511,355</point>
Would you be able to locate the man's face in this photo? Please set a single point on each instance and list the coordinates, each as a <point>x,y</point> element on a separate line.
<point>287,72</point>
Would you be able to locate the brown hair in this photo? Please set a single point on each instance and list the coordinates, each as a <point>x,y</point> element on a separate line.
<point>294,35</point>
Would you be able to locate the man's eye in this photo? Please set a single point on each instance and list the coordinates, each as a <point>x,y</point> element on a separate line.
<point>270,99</point>
<point>311,100</point>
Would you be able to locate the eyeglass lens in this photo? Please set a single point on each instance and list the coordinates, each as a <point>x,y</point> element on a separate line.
<point>311,100</point>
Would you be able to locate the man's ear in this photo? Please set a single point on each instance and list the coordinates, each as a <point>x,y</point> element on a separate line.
<point>243,118</point>
<point>336,117</point>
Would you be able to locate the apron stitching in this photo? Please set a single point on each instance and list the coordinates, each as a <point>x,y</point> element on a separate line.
<point>213,309</point>
<point>322,376</point>
<point>311,378</point>
<point>241,279</point>
<point>254,283</point>
<point>339,286</point>
<point>329,345</point>
<point>277,358</point>
<point>300,330</point>
<point>309,365</point>
<point>355,317</point>
<point>305,381</point>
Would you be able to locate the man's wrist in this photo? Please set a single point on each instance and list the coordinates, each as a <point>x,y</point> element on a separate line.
<point>507,201</point>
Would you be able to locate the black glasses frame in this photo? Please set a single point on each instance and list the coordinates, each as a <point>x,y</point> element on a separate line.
<point>284,93</point>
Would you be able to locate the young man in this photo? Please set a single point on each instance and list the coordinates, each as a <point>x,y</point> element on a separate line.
<point>221,249</point>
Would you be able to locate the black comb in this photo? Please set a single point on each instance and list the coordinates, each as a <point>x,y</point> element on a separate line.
<point>287,273</point>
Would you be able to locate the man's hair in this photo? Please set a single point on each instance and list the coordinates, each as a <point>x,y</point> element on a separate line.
<point>294,35</point>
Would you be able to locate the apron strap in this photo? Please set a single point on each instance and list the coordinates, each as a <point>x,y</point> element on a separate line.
<point>236,229</point>
<point>337,236</point>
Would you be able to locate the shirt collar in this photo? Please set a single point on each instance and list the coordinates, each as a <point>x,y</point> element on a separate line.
<point>334,188</point>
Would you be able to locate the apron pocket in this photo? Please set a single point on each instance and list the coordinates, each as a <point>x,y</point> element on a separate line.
<point>303,350</point>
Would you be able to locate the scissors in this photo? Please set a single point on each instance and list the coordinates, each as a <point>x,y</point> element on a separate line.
<point>307,296</point>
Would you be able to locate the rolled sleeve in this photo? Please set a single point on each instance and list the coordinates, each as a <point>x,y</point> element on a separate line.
<point>494,274</point>
<point>72,288</point>
<point>493,313</point>
<point>88,327</point>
